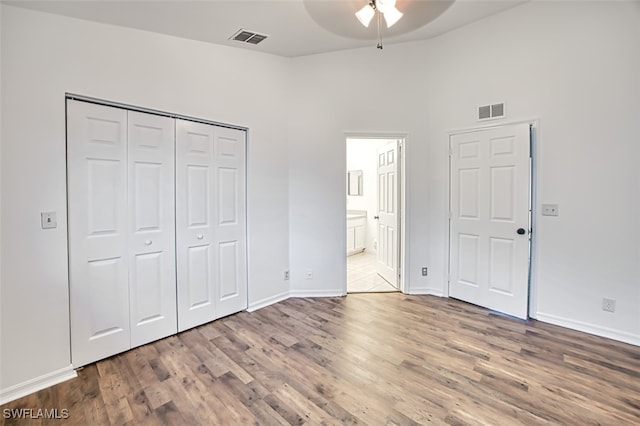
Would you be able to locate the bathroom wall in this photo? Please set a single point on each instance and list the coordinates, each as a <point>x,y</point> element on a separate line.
<point>362,154</point>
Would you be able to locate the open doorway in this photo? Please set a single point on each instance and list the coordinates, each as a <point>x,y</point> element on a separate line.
<point>374,214</point>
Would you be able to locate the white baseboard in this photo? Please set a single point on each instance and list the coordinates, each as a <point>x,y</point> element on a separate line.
<point>427,291</point>
<point>317,293</point>
<point>268,301</point>
<point>585,327</point>
<point>30,386</point>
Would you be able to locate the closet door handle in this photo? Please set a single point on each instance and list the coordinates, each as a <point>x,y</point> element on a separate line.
<point>148,242</point>
<point>200,236</point>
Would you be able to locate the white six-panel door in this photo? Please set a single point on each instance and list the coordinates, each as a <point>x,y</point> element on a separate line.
<point>489,235</point>
<point>144,190</point>
<point>210,222</point>
<point>152,271</point>
<point>97,211</point>
<point>195,201</point>
<point>388,217</point>
<point>231,225</point>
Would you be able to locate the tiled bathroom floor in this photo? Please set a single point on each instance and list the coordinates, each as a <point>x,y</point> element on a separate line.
<point>362,276</point>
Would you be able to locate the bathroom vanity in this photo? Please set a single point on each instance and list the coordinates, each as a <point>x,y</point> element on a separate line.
<point>356,231</point>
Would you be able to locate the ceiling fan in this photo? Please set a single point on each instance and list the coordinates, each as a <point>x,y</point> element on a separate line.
<point>400,16</point>
<point>386,8</point>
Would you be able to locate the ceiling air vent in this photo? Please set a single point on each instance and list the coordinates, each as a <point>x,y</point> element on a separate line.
<point>489,112</point>
<point>246,36</point>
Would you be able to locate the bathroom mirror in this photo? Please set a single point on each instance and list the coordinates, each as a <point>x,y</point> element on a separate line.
<point>354,182</point>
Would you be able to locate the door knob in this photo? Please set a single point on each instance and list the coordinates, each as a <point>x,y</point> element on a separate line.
<point>521,231</point>
<point>376,217</point>
<point>147,242</point>
<point>200,236</point>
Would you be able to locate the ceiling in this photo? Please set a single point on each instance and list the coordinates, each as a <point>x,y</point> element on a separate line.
<point>294,27</point>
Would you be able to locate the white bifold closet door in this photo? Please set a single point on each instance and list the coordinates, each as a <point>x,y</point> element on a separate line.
<point>152,269</point>
<point>120,167</point>
<point>210,222</point>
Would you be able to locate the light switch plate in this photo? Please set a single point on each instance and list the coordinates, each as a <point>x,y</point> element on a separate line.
<point>549,210</point>
<point>49,220</point>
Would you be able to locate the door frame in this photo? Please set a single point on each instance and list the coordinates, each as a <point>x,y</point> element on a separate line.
<point>534,130</point>
<point>403,138</point>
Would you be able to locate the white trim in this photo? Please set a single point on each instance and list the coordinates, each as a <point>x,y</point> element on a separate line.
<point>317,293</point>
<point>534,135</point>
<point>451,132</point>
<point>427,291</point>
<point>247,229</point>
<point>294,293</point>
<point>129,107</point>
<point>36,384</point>
<point>610,333</point>
<point>268,301</point>
<point>376,135</point>
<point>403,284</point>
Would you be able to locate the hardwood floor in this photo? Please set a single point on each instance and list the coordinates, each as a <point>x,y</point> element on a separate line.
<point>383,358</point>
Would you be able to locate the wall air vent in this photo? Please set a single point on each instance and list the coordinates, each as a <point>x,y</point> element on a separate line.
<point>490,112</point>
<point>246,36</point>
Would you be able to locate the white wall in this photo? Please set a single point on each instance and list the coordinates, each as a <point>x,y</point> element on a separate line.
<point>572,65</point>
<point>362,154</point>
<point>44,56</point>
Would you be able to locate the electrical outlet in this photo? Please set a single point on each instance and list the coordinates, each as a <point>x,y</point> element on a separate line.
<point>286,275</point>
<point>424,271</point>
<point>48,220</point>
<point>549,210</point>
<point>608,305</point>
<point>309,274</point>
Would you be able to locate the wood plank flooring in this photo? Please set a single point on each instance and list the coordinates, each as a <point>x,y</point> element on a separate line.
<point>374,359</point>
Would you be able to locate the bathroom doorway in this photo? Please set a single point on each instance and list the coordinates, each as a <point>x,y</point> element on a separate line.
<point>374,216</point>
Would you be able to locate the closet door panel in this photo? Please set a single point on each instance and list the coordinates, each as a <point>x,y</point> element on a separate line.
<point>199,289</point>
<point>97,214</point>
<point>151,214</point>
<point>230,230</point>
<point>195,219</point>
<point>157,227</point>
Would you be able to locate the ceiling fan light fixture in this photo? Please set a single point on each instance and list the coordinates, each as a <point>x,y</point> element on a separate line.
<point>391,16</point>
<point>365,15</point>
<point>386,8</point>
<point>384,5</point>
